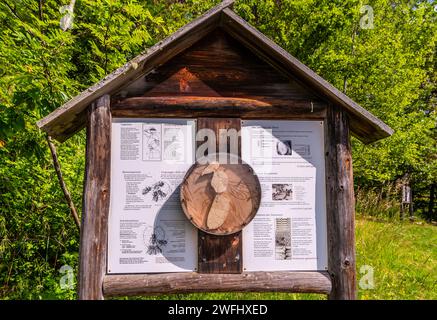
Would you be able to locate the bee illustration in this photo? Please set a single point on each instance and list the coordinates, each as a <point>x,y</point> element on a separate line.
<point>160,190</point>
<point>157,241</point>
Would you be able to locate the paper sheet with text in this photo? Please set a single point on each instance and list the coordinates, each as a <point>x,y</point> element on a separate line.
<point>148,231</point>
<point>289,230</point>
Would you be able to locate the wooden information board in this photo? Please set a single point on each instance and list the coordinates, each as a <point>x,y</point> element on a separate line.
<point>284,194</point>
<point>144,125</point>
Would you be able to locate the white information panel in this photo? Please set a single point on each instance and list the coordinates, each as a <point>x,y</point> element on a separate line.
<point>148,231</point>
<point>289,230</point>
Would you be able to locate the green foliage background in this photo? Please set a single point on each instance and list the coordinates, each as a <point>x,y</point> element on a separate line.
<point>389,69</point>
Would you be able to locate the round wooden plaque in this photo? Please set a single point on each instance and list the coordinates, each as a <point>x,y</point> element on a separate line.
<point>220,198</point>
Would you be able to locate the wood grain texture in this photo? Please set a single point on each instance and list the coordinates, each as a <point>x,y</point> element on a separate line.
<point>242,190</point>
<point>154,284</point>
<point>220,254</point>
<point>219,66</point>
<point>94,227</point>
<point>340,205</point>
<point>199,106</point>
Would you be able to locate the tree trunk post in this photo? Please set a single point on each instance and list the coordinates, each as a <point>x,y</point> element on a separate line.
<point>340,205</point>
<point>93,237</point>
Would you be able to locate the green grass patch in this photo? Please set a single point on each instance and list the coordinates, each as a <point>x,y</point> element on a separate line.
<point>403,256</point>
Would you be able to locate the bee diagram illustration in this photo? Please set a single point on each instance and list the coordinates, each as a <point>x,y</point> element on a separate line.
<point>155,240</point>
<point>158,190</point>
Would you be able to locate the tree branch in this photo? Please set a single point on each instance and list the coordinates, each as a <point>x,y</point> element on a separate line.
<point>67,195</point>
<point>40,5</point>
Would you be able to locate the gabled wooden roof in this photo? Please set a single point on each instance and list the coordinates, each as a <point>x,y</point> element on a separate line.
<point>71,117</point>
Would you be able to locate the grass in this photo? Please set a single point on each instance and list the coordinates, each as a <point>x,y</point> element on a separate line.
<point>403,256</point>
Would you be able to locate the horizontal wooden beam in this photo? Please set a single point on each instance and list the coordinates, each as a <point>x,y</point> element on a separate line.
<point>167,283</point>
<point>194,106</point>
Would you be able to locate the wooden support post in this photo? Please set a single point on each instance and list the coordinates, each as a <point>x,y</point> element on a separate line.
<point>93,237</point>
<point>340,205</point>
<point>220,254</point>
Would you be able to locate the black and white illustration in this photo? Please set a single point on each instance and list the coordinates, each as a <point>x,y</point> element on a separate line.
<point>174,143</point>
<point>152,142</point>
<point>283,238</point>
<point>157,191</point>
<point>155,240</point>
<point>283,148</point>
<point>282,192</point>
